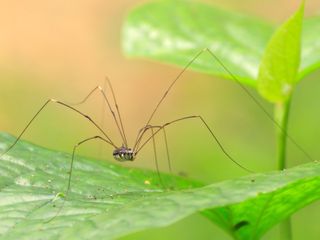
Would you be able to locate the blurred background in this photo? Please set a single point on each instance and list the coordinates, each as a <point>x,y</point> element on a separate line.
<point>63,49</point>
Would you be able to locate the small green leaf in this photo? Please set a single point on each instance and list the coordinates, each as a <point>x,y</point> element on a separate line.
<point>279,67</point>
<point>108,201</point>
<point>175,31</point>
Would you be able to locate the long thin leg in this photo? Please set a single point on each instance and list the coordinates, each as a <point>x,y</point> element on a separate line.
<point>74,151</point>
<point>65,105</point>
<point>139,136</point>
<point>208,128</point>
<point>156,157</point>
<point>258,103</point>
<point>167,149</point>
<point>150,127</point>
<point>71,169</point>
<point>103,116</point>
<point>104,95</point>
<point>142,132</point>
<point>118,111</point>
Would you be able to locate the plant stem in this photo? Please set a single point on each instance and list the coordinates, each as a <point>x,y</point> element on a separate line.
<point>282,117</point>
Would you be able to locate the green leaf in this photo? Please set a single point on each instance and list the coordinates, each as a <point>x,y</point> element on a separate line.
<point>33,181</point>
<point>280,63</point>
<point>175,31</point>
<point>108,201</point>
<point>259,214</point>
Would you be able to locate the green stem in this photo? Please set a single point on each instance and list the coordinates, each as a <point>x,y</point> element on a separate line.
<point>282,117</point>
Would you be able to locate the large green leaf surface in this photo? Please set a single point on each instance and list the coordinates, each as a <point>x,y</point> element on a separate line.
<point>175,31</point>
<point>108,201</point>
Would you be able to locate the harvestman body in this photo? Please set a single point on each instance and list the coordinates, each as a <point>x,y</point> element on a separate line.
<point>124,153</point>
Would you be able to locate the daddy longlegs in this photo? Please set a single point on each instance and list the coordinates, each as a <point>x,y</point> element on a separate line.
<point>123,152</point>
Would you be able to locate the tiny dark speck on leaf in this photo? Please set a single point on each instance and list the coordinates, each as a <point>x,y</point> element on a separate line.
<point>240,224</point>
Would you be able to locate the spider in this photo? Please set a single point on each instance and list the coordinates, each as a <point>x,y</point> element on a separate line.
<point>124,153</point>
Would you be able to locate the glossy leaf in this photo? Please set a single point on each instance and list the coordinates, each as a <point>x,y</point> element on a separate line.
<point>33,181</point>
<point>175,31</point>
<point>109,201</point>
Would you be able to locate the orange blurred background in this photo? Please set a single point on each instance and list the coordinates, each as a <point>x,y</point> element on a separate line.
<point>54,49</point>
